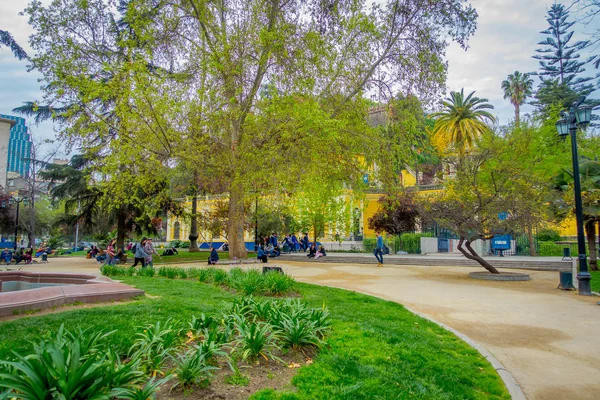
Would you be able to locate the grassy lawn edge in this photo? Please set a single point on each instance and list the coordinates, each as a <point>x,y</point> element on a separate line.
<point>377,349</point>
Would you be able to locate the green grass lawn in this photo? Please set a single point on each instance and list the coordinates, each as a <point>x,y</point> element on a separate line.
<point>377,349</point>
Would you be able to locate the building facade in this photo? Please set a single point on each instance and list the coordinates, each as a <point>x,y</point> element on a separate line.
<point>19,147</point>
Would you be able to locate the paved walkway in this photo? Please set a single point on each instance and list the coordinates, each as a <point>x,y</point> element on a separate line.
<point>548,339</point>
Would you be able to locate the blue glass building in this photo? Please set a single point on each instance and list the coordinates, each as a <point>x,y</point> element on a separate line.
<point>19,147</point>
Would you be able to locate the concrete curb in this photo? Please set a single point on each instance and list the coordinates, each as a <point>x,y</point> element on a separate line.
<point>513,387</point>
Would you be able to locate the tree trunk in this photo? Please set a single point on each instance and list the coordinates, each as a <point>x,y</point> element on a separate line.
<point>517,116</point>
<point>194,226</point>
<point>590,230</point>
<point>121,229</point>
<point>235,226</point>
<point>530,238</point>
<point>474,256</point>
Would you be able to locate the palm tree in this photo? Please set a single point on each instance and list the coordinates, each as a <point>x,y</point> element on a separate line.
<point>7,40</point>
<point>517,88</point>
<point>461,122</point>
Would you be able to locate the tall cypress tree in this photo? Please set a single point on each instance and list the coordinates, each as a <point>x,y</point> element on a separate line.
<point>559,59</point>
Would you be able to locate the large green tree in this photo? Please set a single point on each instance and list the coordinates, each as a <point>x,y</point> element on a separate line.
<point>314,58</point>
<point>517,88</point>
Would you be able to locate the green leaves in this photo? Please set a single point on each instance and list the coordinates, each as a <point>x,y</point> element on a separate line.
<point>69,366</point>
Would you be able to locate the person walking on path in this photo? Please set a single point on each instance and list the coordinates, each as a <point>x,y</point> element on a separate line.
<point>149,248</point>
<point>110,251</point>
<point>140,254</point>
<point>378,252</point>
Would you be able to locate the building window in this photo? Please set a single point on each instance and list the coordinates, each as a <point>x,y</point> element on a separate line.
<point>177,232</point>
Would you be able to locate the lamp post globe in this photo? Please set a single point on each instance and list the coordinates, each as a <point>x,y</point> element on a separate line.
<point>577,117</point>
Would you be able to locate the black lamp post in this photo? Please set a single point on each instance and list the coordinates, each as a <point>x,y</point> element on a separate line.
<point>577,117</point>
<point>18,200</point>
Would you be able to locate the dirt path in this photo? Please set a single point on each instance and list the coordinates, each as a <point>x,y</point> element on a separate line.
<point>548,339</point>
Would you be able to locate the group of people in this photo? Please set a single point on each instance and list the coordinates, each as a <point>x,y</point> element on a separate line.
<point>110,255</point>
<point>270,247</point>
<point>20,255</point>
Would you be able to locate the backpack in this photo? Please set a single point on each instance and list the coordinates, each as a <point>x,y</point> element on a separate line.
<point>134,248</point>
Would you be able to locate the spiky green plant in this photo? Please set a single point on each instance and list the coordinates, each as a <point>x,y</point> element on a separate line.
<point>191,369</point>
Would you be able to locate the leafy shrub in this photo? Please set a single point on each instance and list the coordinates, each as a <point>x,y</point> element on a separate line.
<point>369,244</point>
<point>115,270</point>
<point>186,244</point>
<point>148,391</point>
<point>182,273</point>
<point>175,243</point>
<point>295,332</point>
<point>69,366</point>
<point>148,271</point>
<point>191,368</point>
<point>277,284</point>
<point>411,242</point>
<point>193,273</point>
<point>205,275</point>
<point>219,276</point>
<point>154,344</point>
<point>169,272</point>
<point>252,282</point>
<point>198,325</point>
<point>212,346</point>
<point>548,235</point>
<point>254,339</point>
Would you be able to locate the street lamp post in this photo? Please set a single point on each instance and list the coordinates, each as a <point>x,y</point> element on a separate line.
<point>577,117</point>
<point>18,200</point>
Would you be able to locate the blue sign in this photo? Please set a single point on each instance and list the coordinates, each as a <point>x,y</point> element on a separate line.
<point>502,216</point>
<point>366,178</point>
<point>501,242</point>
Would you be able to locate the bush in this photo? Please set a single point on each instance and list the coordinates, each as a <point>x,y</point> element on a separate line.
<point>175,243</point>
<point>69,366</point>
<point>185,245</point>
<point>154,344</point>
<point>548,235</point>
<point>191,368</point>
<point>115,270</point>
<point>277,284</point>
<point>369,244</point>
<point>411,242</point>
<point>148,271</point>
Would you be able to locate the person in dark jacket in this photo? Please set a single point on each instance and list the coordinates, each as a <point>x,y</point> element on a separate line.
<point>312,251</point>
<point>305,242</point>
<point>214,256</point>
<point>261,255</point>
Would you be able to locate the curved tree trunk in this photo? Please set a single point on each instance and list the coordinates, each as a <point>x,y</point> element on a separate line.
<point>474,256</point>
<point>590,231</point>
<point>194,226</point>
<point>235,226</point>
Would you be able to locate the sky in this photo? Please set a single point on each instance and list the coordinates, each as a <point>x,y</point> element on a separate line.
<point>506,38</point>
